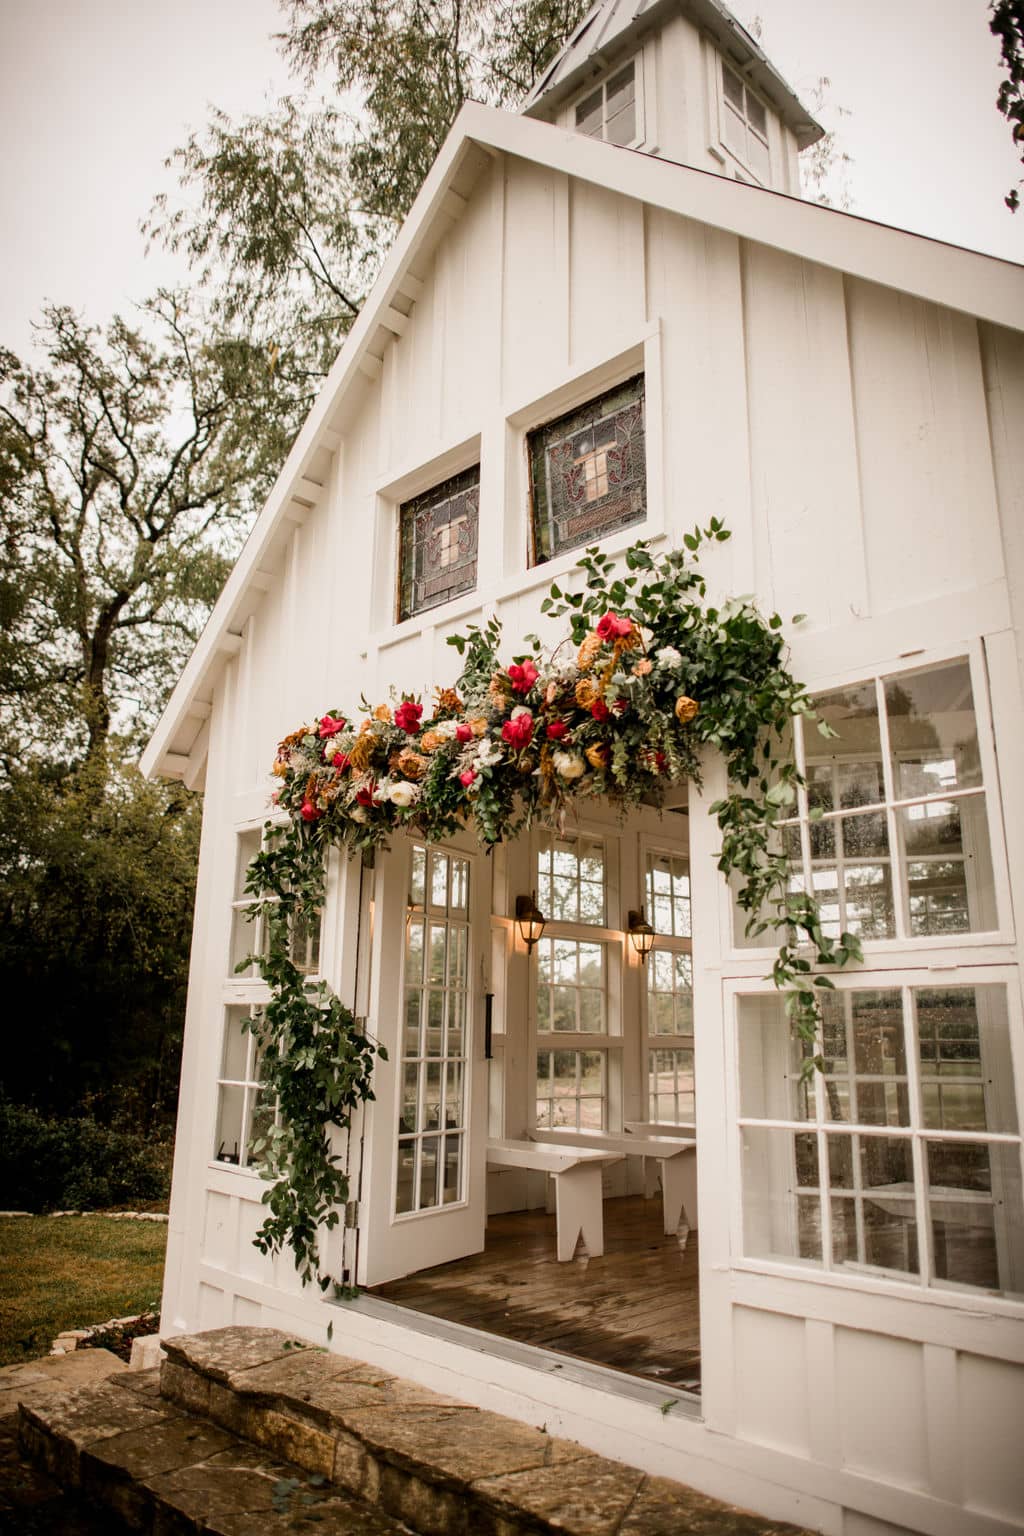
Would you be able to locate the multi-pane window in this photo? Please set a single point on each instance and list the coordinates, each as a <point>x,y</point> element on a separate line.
<point>745,124</point>
<point>588,472</point>
<point>438,544</point>
<point>893,835</point>
<point>571,1090</point>
<point>904,1155</point>
<point>570,986</point>
<point>609,111</point>
<point>245,1109</point>
<point>432,1115</point>
<point>248,933</point>
<point>572,976</point>
<point>571,879</point>
<point>669,991</point>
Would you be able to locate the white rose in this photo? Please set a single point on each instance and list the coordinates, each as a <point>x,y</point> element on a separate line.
<point>488,753</point>
<point>568,765</point>
<point>357,813</point>
<point>668,656</point>
<point>445,728</point>
<point>403,794</point>
<point>521,710</point>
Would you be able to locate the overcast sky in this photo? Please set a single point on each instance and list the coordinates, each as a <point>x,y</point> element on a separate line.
<point>95,93</point>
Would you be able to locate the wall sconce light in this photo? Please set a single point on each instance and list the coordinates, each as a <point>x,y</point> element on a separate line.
<point>640,932</point>
<point>529,920</point>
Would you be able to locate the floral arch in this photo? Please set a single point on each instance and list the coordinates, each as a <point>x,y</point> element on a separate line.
<point>647,676</point>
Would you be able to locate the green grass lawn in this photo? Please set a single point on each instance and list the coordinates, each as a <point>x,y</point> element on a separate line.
<point>60,1272</point>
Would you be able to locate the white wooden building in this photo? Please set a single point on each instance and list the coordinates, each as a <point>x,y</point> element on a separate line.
<point>849,399</point>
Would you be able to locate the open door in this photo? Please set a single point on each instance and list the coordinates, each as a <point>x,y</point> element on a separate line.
<point>423,1198</point>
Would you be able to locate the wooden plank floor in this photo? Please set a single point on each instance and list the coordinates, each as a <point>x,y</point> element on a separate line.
<point>635,1308</point>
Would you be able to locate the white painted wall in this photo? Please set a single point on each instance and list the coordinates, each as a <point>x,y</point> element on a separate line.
<point>865,449</point>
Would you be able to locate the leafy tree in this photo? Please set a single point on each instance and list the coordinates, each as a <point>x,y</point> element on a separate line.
<point>97,871</point>
<point>129,465</point>
<point>1006,21</point>
<point>287,215</point>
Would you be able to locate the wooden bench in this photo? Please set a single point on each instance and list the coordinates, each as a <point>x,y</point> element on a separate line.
<point>675,1157</point>
<point>576,1171</point>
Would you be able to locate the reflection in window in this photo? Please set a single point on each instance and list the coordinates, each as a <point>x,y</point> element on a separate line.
<point>890,1164</point>
<point>245,1110</point>
<point>249,935</point>
<point>609,111</point>
<point>431,1125</point>
<point>588,472</point>
<point>670,1086</point>
<point>571,1090</point>
<point>895,841</point>
<point>669,990</point>
<point>438,544</point>
<point>571,879</point>
<point>570,986</point>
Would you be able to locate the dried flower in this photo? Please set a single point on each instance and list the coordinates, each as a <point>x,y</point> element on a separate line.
<point>431,740</point>
<point>686,709</point>
<point>588,651</point>
<point>448,702</point>
<point>586,692</point>
<point>599,755</point>
<point>361,754</point>
<point>498,691</point>
<point>478,725</point>
<point>412,764</point>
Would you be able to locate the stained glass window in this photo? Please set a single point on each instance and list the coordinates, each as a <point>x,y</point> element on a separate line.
<point>438,543</point>
<point>588,472</point>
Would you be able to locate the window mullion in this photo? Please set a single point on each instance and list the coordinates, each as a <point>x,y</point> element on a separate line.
<point>896,860</point>
<point>925,1253</point>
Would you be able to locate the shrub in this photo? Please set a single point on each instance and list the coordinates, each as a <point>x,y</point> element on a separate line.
<point>76,1164</point>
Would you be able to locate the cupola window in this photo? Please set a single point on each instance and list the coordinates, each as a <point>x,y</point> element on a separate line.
<point>609,112</point>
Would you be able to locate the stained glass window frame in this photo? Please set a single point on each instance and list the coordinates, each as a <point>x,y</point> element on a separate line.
<point>563,437</point>
<point>417,510</point>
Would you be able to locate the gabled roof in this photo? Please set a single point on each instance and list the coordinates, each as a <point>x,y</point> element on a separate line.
<point>612,28</point>
<point>982,286</point>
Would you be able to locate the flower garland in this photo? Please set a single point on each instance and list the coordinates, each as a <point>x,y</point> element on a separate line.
<point>648,676</point>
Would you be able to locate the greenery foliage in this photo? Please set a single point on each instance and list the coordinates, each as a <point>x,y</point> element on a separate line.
<point>76,1164</point>
<point>1006,21</point>
<point>651,674</point>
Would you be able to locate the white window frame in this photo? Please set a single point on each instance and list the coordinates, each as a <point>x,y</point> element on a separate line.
<point>724,148</point>
<point>249,1084</point>
<point>610,1041</point>
<point>253,837</point>
<point>600,82</point>
<point>674,944</point>
<point>920,1286</point>
<point>988,942</point>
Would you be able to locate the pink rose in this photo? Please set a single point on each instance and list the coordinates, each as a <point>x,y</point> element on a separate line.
<point>309,811</point>
<point>330,725</point>
<point>612,627</point>
<point>407,716</point>
<point>557,730</point>
<point>599,709</point>
<point>523,678</point>
<point>463,733</point>
<point>518,731</point>
<point>467,778</point>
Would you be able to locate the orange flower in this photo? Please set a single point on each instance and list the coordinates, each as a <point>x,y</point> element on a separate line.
<point>478,725</point>
<point>431,740</point>
<point>599,755</point>
<point>642,667</point>
<point>412,764</point>
<point>587,654</point>
<point>686,709</point>
<point>498,691</point>
<point>382,713</point>
<point>587,692</point>
<point>448,702</point>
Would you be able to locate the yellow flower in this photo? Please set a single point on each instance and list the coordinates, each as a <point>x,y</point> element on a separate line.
<point>382,712</point>
<point>478,725</point>
<point>598,755</point>
<point>686,709</point>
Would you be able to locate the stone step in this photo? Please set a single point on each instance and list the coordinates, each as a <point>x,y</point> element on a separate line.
<point>152,1467</point>
<point>440,1466</point>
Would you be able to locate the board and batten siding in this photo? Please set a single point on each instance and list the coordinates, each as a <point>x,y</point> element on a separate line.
<point>865,449</point>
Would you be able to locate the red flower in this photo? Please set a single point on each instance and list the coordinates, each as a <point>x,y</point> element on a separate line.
<point>407,716</point>
<point>466,779</point>
<point>518,731</point>
<point>612,627</point>
<point>620,705</point>
<point>330,725</point>
<point>523,678</point>
<point>557,730</point>
<point>339,760</point>
<point>310,811</point>
<point>463,733</point>
<point>599,709</point>
<point>364,796</point>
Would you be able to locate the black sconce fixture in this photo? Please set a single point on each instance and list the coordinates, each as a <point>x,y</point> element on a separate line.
<point>641,933</point>
<point>529,920</point>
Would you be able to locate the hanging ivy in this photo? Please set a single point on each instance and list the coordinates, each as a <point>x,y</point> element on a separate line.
<point>649,674</point>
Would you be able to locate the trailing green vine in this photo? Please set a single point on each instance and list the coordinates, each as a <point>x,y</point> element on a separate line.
<point>649,674</point>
